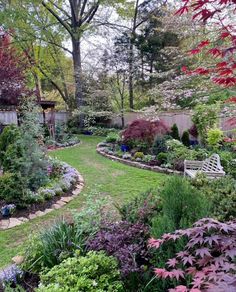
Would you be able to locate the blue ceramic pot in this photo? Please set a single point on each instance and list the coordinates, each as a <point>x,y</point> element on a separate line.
<point>6,212</point>
<point>124,148</point>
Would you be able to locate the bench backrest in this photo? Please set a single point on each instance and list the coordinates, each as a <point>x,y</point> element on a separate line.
<point>212,164</point>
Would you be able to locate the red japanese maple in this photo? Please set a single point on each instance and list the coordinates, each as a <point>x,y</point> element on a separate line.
<point>144,131</point>
<point>216,13</point>
<point>221,15</point>
<point>12,72</point>
<point>207,259</point>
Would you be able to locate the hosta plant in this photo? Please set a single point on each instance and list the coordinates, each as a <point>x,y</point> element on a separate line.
<point>207,262</point>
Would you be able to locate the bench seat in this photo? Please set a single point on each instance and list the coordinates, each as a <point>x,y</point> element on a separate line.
<point>211,167</point>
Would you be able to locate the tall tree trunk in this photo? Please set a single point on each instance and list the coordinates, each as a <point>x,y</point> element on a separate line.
<point>131,71</point>
<point>77,71</point>
<point>131,56</point>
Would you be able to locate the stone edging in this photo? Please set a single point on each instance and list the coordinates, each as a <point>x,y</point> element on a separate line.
<point>64,147</point>
<point>13,222</point>
<point>139,164</point>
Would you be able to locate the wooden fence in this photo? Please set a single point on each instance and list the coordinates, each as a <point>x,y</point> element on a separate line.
<point>181,118</point>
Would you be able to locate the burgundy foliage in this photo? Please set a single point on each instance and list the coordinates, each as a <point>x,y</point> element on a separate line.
<point>193,131</point>
<point>126,242</point>
<point>208,258</point>
<point>12,69</point>
<point>144,131</point>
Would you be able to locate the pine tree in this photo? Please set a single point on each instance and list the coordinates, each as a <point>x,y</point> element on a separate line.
<point>175,132</point>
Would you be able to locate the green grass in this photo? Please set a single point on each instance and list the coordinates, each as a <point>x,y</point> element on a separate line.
<point>119,181</point>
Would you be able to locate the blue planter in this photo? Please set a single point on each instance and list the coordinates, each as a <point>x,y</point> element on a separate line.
<point>6,212</point>
<point>88,133</point>
<point>193,142</point>
<point>124,148</point>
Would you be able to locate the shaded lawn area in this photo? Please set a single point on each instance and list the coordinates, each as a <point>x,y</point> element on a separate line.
<point>119,181</point>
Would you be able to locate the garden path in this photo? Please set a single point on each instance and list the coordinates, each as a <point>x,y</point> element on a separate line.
<point>120,181</point>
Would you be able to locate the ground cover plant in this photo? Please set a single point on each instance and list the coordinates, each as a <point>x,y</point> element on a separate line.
<point>93,272</point>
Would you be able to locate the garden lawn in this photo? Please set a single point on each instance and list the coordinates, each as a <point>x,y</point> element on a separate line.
<point>119,181</point>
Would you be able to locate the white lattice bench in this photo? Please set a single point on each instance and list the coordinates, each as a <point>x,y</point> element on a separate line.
<point>211,167</point>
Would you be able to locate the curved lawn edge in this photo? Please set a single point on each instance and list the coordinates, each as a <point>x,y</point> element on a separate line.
<point>64,147</point>
<point>138,164</point>
<point>15,221</point>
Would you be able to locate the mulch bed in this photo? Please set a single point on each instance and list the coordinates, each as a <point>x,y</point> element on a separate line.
<point>25,212</point>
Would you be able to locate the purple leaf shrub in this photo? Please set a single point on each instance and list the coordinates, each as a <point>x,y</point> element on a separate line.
<point>126,242</point>
<point>208,258</point>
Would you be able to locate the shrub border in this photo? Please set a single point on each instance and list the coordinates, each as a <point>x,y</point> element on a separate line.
<point>13,221</point>
<point>137,164</point>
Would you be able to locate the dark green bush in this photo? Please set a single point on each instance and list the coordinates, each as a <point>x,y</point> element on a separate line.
<point>228,161</point>
<point>13,158</point>
<point>141,208</point>
<point>162,157</point>
<point>92,273</point>
<point>221,194</point>
<point>175,132</point>
<point>8,137</point>
<point>182,206</point>
<point>13,189</point>
<point>185,138</point>
<point>112,138</point>
<point>159,144</point>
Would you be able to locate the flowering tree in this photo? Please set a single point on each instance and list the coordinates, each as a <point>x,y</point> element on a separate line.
<point>218,15</point>
<point>12,69</point>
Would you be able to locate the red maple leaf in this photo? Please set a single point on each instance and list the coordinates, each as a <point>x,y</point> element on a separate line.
<point>231,99</point>
<point>194,51</point>
<point>215,52</point>
<point>202,71</point>
<point>224,34</point>
<point>227,82</point>
<point>177,274</point>
<point>182,10</point>
<point>203,44</point>
<point>172,262</point>
<point>202,252</point>
<point>225,72</point>
<point>154,242</point>
<point>221,64</point>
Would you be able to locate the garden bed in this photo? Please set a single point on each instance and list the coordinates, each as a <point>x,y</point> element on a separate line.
<point>141,165</point>
<point>59,146</point>
<point>37,210</point>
